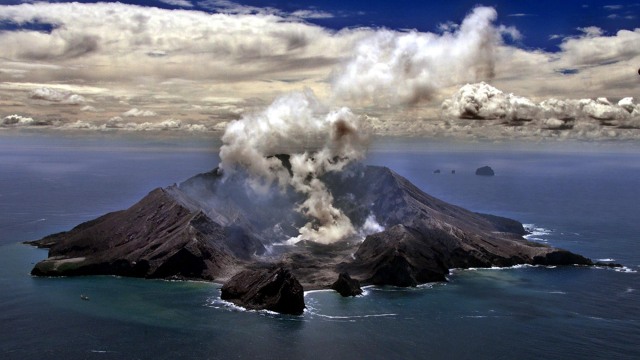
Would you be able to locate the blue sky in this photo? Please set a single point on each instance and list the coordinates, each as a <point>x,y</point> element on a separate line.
<point>536,20</point>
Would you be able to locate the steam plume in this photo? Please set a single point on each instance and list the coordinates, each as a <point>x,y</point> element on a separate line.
<point>388,67</point>
<point>404,68</point>
<point>289,125</point>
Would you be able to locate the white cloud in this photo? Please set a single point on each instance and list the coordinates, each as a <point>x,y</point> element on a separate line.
<point>61,88</point>
<point>594,48</point>
<point>583,119</point>
<point>135,112</point>
<point>312,14</point>
<point>185,63</point>
<point>591,31</point>
<point>144,43</point>
<point>483,101</point>
<point>448,26</point>
<point>56,96</point>
<point>401,68</point>
<point>118,124</point>
<point>17,120</point>
<point>602,109</point>
<point>89,108</point>
<point>628,104</point>
<point>80,125</point>
<point>182,3</point>
<point>231,7</point>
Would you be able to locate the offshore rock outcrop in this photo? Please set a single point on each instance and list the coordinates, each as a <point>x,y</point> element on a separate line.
<point>485,171</point>
<point>211,227</point>
<point>273,289</point>
<point>346,286</point>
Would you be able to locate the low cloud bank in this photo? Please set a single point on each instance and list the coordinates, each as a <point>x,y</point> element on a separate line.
<point>482,101</point>
<point>482,110</point>
<point>113,124</point>
<point>17,120</point>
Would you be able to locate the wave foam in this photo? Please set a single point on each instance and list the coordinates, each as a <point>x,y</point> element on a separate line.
<point>535,233</point>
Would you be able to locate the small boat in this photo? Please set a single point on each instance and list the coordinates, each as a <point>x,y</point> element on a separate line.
<point>84,297</point>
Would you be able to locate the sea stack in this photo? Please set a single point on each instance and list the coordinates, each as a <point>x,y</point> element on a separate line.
<point>485,171</point>
<point>346,286</point>
<point>274,289</point>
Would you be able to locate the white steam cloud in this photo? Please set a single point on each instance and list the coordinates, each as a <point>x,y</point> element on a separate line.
<point>288,126</point>
<point>388,67</point>
<point>403,68</point>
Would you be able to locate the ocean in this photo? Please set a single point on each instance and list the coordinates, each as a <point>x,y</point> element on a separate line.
<point>583,197</point>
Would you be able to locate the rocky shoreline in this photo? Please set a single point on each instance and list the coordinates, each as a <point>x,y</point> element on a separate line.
<point>209,228</point>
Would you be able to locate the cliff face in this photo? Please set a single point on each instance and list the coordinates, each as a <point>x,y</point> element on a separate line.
<point>211,228</point>
<point>156,238</point>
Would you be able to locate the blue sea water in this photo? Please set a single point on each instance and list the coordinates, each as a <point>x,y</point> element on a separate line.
<point>582,197</point>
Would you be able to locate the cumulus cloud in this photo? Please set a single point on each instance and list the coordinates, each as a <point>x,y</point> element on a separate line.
<point>135,112</point>
<point>483,101</point>
<point>580,118</point>
<point>53,95</point>
<point>17,120</point>
<point>289,125</point>
<point>89,108</point>
<point>403,68</point>
<point>175,60</point>
<point>235,46</point>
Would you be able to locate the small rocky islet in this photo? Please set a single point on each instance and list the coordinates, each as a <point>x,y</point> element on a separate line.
<point>210,228</point>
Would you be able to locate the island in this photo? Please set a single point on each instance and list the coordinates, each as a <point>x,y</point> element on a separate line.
<point>210,227</point>
<point>485,171</point>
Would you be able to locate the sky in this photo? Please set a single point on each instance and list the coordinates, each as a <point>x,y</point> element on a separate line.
<point>535,69</point>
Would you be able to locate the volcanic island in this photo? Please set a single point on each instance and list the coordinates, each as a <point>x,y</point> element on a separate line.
<point>211,228</point>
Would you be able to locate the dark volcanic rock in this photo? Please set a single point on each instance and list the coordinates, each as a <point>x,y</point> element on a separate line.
<point>485,171</point>
<point>210,229</point>
<point>347,286</point>
<point>156,238</point>
<point>274,289</point>
<point>561,257</point>
<point>399,257</point>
